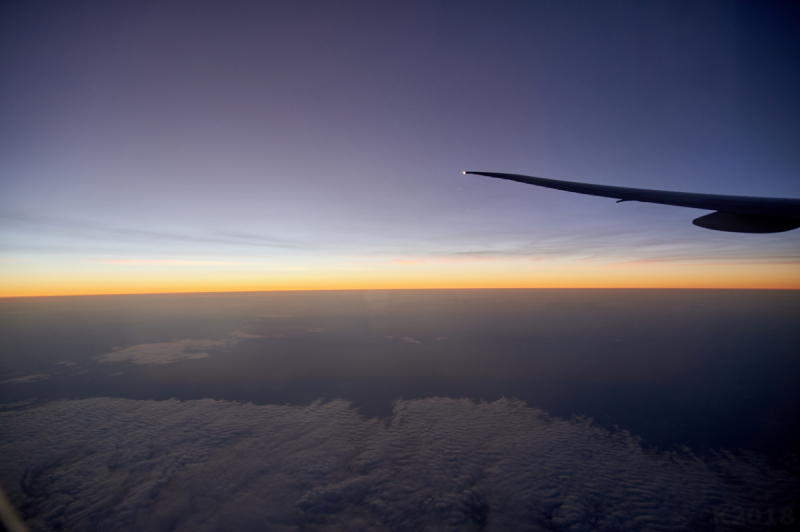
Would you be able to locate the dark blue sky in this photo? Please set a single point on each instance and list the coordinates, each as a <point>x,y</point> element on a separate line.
<point>318,135</point>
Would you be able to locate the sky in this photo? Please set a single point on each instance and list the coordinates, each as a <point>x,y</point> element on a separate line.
<point>204,146</point>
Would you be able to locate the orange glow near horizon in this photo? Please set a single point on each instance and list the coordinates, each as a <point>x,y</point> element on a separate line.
<point>142,277</point>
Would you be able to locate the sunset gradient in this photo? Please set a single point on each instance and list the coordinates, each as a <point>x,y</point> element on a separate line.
<point>145,149</point>
<point>91,278</point>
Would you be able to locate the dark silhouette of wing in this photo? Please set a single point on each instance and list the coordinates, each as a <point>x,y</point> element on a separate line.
<point>738,214</point>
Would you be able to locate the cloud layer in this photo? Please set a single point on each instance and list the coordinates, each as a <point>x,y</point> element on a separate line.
<point>437,464</point>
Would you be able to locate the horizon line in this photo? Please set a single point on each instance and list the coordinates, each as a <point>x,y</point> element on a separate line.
<point>627,288</point>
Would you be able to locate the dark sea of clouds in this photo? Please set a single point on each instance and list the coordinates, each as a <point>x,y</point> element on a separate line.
<point>435,464</point>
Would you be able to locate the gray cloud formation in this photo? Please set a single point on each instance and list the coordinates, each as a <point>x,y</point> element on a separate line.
<point>163,353</point>
<point>29,232</point>
<point>438,464</point>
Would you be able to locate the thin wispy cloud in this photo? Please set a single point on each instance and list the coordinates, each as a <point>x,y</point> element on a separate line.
<point>26,379</point>
<point>166,262</point>
<point>94,231</point>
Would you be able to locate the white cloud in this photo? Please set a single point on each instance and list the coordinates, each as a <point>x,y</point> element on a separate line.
<point>437,464</point>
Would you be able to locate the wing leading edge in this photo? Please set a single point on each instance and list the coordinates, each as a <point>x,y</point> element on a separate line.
<point>738,214</point>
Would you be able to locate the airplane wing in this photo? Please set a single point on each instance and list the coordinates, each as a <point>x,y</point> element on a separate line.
<point>737,214</point>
